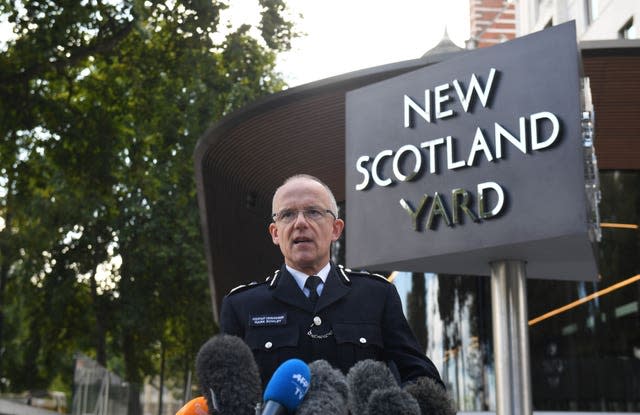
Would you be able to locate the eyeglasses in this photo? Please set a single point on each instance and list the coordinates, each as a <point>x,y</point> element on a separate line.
<point>289,215</point>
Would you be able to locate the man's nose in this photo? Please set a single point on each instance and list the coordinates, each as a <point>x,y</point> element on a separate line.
<point>300,219</point>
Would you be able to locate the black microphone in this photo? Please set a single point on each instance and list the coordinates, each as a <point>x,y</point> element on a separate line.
<point>431,396</point>
<point>328,393</point>
<point>228,376</point>
<point>365,377</point>
<point>287,388</point>
<point>394,401</point>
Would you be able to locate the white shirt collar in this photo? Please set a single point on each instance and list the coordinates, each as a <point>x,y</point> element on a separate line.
<point>301,277</point>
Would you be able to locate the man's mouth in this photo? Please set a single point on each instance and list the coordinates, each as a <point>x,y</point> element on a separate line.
<point>297,241</point>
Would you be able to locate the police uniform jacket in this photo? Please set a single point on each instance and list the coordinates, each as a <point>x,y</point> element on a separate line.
<point>358,316</point>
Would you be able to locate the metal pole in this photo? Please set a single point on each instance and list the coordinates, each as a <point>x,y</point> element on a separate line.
<point>85,392</point>
<point>511,338</point>
<point>187,389</point>
<point>106,395</point>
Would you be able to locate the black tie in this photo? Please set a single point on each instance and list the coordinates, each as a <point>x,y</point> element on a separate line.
<point>312,284</point>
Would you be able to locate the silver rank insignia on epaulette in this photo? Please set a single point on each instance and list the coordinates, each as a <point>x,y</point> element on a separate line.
<point>242,287</point>
<point>380,276</point>
<point>272,280</point>
<point>344,272</point>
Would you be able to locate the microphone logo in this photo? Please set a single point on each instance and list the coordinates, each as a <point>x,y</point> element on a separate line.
<point>301,385</point>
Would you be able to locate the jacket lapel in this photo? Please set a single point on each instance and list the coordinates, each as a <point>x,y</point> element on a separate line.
<point>334,289</point>
<point>288,292</point>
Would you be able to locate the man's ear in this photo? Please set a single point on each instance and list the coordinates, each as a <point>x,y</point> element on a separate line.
<point>338,226</point>
<point>273,231</point>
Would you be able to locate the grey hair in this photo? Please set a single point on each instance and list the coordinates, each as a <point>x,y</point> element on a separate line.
<point>332,198</point>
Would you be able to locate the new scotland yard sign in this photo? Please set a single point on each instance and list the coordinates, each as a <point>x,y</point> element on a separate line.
<point>476,159</point>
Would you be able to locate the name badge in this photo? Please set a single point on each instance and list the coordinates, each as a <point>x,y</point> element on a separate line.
<point>269,320</point>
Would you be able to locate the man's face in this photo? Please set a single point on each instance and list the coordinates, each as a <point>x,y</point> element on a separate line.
<point>305,243</point>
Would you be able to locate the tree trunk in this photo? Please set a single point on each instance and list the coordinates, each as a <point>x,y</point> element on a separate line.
<point>162,348</point>
<point>4,272</point>
<point>135,382</point>
<point>98,310</point>
<point>5,261</point>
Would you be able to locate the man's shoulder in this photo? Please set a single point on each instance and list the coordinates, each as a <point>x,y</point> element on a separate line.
<point>361,275</point>
<point>244,288</point>
<point>252,287</point>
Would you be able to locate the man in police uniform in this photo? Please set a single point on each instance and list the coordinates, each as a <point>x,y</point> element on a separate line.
<point>311,309</point>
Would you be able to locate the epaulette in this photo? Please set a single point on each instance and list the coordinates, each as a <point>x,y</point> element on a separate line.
<point>272,280</point>
<point>346,273</point>
<point>244,287</point>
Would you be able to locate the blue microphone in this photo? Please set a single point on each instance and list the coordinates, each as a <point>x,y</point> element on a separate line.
<point>287,388</point>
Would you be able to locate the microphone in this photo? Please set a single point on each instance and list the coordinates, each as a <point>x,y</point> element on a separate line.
<point>393,400</point>
<point>196,406</point>
<point>365,377</point>
<point>431,396</point>
<point>287,388</point>
<point>228,376</point>
<point>328,393</point>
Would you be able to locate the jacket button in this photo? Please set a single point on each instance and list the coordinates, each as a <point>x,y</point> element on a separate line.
<point>317,320</point>
<point>363,340</point>
<point>268,345</point>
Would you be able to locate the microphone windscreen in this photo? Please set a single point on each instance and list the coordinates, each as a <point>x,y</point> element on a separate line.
<point>228,376</point>
<point>289,384</point>
<point>196,406</point>
<point>328,393</point>
<point>431,396</point>
<point>365,377</point>
<point>392,401</point>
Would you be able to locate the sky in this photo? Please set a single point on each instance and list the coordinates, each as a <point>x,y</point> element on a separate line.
<point>347,35</point>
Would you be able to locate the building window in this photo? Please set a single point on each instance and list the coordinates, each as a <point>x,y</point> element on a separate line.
<point>628,31</point>
<point>592,10</point>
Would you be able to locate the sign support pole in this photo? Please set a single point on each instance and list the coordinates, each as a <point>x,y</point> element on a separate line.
<point>511,338</point>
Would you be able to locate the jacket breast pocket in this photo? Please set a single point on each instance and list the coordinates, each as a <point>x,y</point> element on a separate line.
<point>358,341</point>
<point>271,346</point>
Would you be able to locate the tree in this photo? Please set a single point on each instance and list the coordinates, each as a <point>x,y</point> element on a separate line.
<point>102,104</point>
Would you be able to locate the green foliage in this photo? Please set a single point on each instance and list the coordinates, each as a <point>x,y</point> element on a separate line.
<point>101,105</point>
<point>276,30</point>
